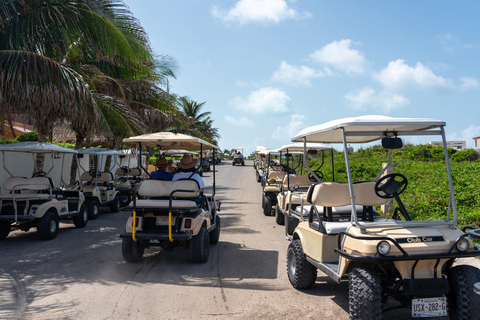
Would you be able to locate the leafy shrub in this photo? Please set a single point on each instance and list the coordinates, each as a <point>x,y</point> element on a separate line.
<point>28,136</point>
<point>465,155</point>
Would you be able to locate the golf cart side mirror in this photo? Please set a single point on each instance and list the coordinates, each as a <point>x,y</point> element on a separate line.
<point>392,143</point>
<point>312,152</point>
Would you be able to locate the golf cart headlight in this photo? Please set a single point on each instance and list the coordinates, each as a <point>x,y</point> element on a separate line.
<point>383,248</point>
<point>463,244</point>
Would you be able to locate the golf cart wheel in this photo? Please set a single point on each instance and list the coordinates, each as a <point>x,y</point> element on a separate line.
<point>200,246</point>
<point>125,199</point>
<point>267,206</point>
<point>279,217</point>
<point>115,205</point>
<point>364,294</point>
<point>81,220</point>
<point>233,163</point>
<point>292,224</point>
<point>132,251</point>
<point>301,273</point>
<point>243,163</point>
<point>463,301</point>
<point>93,209</point>
<point>47,226</point>
<point>258,177</point>
<point>215,233</point>
<point>5,227</point>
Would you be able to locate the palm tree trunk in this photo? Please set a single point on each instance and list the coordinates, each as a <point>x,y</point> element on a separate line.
<point>74,168</point>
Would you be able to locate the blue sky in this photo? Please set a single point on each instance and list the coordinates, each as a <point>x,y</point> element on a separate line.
<point>269,68</point>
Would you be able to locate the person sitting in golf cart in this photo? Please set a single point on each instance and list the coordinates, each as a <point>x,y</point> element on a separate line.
<point>161,172</point>
<point>186,170</point>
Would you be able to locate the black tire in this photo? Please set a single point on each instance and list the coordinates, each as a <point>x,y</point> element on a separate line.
<point>115,205</point>
<point>93,209</point>
<point>292,224</point>
<point>215,233</point>
<point>125,198</point>
<point>81,220</point>
<point>279,217</point>
<point>233,163</point>
<point>243,163</point>
<point>132,251</point>
<point>301,273</point>
<point>463,302</point>
<point>5,227</point>
<point>47,226</point>
<point>364,294</point>
<point>258,177</point>
<point>267,206</point>
<point>200,246</point>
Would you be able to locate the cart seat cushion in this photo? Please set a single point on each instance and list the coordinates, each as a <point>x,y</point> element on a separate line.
<point>163,204</point>
<point>335,210</point>
<point>336,227</point>
<point>160,188</point>
<point>21,183</point>
<point>134,172</point>
<point>105,176</point>
<point>276,175</point>
<point>292,180</point>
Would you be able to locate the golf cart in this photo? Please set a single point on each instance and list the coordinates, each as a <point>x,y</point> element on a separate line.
<point>127,179</point>
<point>294,187</point>
<point>237,157</point>
<point>388,255</point>
<point>165,214</point>
<point>261,165</point>
<point>99,186</point>
<point>36,202</point>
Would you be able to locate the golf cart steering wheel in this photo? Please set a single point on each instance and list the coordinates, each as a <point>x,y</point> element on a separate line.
<point>391,184</point>
<point>318,173</point>
<point>39,174</point>
<point>125,170</point>
<point>94,173</point>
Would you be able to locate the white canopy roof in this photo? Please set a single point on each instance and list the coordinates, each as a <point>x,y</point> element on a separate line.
<point>297,146</point>
<point>365,129</point>
<point>172,152</point>
<point>170,140</point>
<point>35,147</point>
<point>260,148</point>
<point>98,151</point>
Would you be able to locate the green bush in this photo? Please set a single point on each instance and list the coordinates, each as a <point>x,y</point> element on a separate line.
<point>28,136</point>
<point>465,155</point>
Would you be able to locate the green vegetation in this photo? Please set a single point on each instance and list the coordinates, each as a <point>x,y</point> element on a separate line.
<point>426,196</point>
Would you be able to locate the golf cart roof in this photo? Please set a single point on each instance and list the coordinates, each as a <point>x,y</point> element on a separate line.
<point>170,140</point>
<point>260,148</point>
<point>298,147</point>
<point>365,129</point>
<point>238,148</point>
<point>35,147</point>
<point>98,151</point>
<point>172,152</point>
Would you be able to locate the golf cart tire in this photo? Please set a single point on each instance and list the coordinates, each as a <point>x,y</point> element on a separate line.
<point>292,224</point>
<point>279,217</point>
<point>233,164</point>
<point>132,251</point>
<point>364,294</point>
<point>301,273</point>
<point>215,233</point>
<point>200,246</point>
<point>125,198</point>
<point>115,205</point>
<point>243,163</point>
<point>5,227</point>
<point>81,220</point>
<point>93,209</point>
<point>258,177</point>
<point>47,226</point>
<point>267,206</point>
<point>463,302</point>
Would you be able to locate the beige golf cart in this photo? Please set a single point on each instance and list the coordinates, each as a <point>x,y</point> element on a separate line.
<point>127,178</point>
<point>294,187</point>
<point>35,201</point>
<point>168,214</point>
<point>258,162</point>
<point>237,157</point>
<point>384,255</point>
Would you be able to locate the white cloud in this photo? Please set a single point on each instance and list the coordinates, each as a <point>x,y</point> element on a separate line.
<point>286,133</point>
<point>398,75</point>
<point>339,55</point>
<point>468,83</point>
<point>295,75</point>
<point>368,99</point>
<point>262,11</point>
<point>263,101</point>
<point>467,135</point>
<point>240,122</point>
<point>450,43</point>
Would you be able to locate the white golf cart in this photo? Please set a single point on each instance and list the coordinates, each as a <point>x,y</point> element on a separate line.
<point>127,178</point>
<point>168,214</point>
<point>390,255</point>
<point>237,157</point>
<point>35,201</point>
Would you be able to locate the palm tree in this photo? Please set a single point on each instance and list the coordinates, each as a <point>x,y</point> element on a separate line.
<point>200,122</point>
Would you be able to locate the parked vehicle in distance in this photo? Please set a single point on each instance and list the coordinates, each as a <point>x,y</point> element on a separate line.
<point>237,157</point>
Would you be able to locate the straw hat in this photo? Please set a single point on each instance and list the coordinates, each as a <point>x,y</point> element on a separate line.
<point>187,162</point>
<point>161,163</point>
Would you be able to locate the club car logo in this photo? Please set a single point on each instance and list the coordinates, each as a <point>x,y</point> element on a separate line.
<point>419,239</point>
<point>64,207</point>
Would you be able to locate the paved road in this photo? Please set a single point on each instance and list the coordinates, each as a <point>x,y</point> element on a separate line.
<point>81,273</point>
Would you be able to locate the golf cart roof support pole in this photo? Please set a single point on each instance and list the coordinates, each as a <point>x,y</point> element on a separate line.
<point>4,167</point>
<point>288,174</point>
<point>61,171</point>
<point>333,168</point>
<point>349,174</point>
<point>450,181</point>
<point>305,159</point>
<point>214,159</point>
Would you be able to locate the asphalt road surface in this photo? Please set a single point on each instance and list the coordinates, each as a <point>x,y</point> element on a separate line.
<point>81,273</point>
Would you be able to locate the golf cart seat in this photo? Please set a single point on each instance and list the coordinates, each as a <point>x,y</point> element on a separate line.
<point>159,193</point>
<point>105,180</point>
<point>293,179</point>
<point>134,175</point>
<point>276,175</point>
<point>328,195</point>
<point>33,187</point>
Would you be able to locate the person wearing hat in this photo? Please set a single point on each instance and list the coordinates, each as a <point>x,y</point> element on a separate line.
<point>186,170</point>
<point>161,171</point>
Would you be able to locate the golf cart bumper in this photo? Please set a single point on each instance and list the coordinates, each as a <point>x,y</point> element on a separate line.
<point>157,236</point>
<point>12,217</point>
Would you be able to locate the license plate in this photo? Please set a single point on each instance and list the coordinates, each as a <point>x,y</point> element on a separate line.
<point>429,307</point>
<point>163,221</point>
